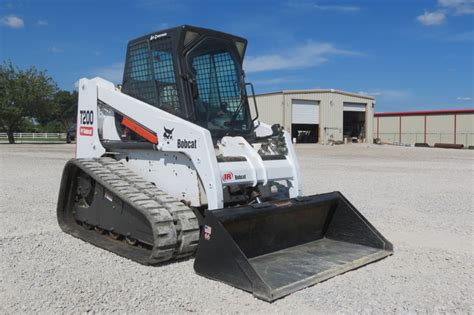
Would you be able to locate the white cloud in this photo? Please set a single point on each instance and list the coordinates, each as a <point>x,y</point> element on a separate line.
<point>370,93</point>
<point>446,8</point>
<point>168,5</point>
<point>391,99</point>
<point>315,6</point>
<point>432,18</point>
<point>42,23</point>
<point>461,37</point>
<point>272,81</point>
<point>113,72</point>
<point>310,54</point>
<point>464,98</point>
<point>458,7</point>
<point>56,50</point>
<point>340,8</point>
<point>391,95</point>
<point>12,21</point>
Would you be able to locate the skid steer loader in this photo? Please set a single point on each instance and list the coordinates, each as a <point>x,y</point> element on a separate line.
<point>175,163</point>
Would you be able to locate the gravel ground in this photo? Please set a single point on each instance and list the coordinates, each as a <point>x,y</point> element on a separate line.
<point>420,199</point>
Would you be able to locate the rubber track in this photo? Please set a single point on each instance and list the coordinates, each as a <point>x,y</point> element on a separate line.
<point>186,222</point>
<point>175,227</point>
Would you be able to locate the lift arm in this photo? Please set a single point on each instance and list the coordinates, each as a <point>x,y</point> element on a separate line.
<point>186,137</point>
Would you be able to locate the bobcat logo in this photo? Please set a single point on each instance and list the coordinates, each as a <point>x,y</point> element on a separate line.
<point>168,134</point>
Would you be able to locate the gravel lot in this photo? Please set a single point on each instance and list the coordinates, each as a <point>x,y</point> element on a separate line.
<point>420,199</point>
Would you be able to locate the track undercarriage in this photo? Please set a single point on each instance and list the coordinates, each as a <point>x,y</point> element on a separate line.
<point>106,204</point>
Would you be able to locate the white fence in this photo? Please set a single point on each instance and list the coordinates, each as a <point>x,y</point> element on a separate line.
<point>32,137</point>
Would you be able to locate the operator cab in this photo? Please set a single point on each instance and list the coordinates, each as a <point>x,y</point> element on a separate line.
<point>193,73</point>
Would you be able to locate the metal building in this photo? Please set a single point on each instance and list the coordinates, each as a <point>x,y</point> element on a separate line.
<point>439,126</point>
<point>319,116</point>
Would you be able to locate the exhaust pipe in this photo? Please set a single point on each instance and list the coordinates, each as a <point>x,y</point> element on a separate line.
<point>273,249</point>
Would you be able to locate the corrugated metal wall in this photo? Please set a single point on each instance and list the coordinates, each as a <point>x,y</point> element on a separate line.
<point>439,128</point>
<point>269,108</point>
<point>412,129</point>
<point>465,129</point>
<point>387,129</point>
<point>276,108</point>
<point>428,128</point>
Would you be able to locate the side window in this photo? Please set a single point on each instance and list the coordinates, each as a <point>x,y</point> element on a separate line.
<point>217,80</point>
<point>228,80</point>
<point>165,79</point>
<point>163,66</point>
<point>138,81</point>
<point>139,69</point>
<point>152,81</point>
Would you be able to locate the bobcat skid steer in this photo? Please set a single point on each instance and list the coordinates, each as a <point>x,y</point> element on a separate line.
<point>174,163</point>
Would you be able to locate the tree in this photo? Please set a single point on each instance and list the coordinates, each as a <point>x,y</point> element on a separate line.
<point>24,94</point>
<point>64,111</point>
<point>65,107</point>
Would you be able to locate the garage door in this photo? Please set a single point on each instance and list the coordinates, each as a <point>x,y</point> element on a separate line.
<point>304,112</point>
<point>354,107</point>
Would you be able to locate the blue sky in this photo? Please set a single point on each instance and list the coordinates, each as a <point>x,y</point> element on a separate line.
<point>410,55</point>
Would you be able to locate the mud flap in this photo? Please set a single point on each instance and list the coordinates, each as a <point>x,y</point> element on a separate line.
<point>274,249</point>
